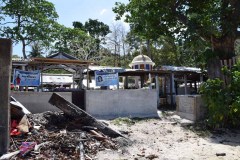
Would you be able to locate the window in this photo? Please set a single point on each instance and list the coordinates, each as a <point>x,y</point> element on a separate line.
<point>147,67</point>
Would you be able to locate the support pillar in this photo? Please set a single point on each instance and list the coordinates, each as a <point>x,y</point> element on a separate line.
<point>88,77</point>
<point>171,87</point>
<point>185,84</point>
<point>126,82</point>
<point>150,79</point>
<point>157,89</point>
<point>5,76</point>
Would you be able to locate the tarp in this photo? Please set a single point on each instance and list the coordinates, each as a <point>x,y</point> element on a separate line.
<point>104,78</point>
<point>26,78</point>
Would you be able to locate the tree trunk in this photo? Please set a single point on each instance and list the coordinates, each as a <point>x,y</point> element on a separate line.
<point>24,49</point>
<point>223,49</point>
<point>148,50</point>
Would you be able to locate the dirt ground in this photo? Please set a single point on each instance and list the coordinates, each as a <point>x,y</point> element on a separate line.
<point>171,138</point>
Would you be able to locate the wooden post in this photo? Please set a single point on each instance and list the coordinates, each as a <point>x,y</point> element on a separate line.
<point>157,89</point>
<point>126,82</point>
<point>41,78</point>
<point>88,77</point>
<point>185,84</point>
<point>171,87</point>
<point>142,81</point>
<point>5,74</point>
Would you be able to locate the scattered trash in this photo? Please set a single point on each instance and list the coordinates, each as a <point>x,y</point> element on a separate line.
<point>71,134</point>
<point>9,155</point>
<point>220,154</point>
<point>24,125</point>
<point>26,147</point>
<point>16,104</point>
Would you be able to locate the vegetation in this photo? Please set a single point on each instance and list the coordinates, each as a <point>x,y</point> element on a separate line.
<point>27,21</point>
<point>129,121</point>
<point>184,19</point>
<point>222,99</point>
<point>36,50</point>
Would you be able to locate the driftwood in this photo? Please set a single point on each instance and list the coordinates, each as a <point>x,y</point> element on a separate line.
<point>79,116</point>
<point>97,135</point>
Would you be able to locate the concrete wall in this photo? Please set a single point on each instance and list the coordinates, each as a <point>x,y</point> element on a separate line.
<point>121,103</point>
<point>37,102</point>
<point>190,107</point>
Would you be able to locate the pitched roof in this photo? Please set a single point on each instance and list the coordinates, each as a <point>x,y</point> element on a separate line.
<point>61,55</point>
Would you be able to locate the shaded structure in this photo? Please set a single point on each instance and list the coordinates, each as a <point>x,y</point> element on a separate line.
<point>74,66</point>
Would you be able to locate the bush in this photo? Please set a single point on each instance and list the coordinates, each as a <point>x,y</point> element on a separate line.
<point>223,102</point>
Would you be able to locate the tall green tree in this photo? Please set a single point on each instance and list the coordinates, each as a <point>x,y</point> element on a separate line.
<point>79,25</point>
<point>26,21</point>
<point>98,30</point>
<point>215,21</point>
<point>65,36</point>
<point>36,50</point>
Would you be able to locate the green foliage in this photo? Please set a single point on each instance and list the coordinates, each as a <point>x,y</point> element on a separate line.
<point>223,102</point>
<point>152,18</point>
<point>66,37</point>
<point>122,121</point>
<point>96,28</point>
<point>57,71</point>
<point>129,121</point>
<point>36,50</point>
<point>15,56</point>
<point>184,20</point>
<point>27,21</point>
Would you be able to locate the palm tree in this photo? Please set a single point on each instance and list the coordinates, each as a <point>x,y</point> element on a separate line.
<point>37,50</point>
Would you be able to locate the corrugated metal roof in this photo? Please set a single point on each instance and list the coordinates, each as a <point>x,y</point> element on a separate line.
<point>105,68</point>
<point>184,69</point>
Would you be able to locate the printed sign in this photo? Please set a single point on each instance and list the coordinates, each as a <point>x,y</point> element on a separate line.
<point>26,78</point>
<point>104,78</point>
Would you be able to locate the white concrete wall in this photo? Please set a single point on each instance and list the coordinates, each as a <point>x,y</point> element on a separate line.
<point>121,103</point>
<point>190,107</point>
<point>37,102</point>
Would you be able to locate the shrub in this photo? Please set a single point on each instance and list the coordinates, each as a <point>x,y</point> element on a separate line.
<point>223,102</point>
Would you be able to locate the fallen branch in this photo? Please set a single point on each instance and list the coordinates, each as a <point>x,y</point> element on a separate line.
<point>97,135</point>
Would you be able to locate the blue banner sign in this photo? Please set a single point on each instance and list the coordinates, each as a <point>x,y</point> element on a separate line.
<point>26,78</point>
<point>104,78</point>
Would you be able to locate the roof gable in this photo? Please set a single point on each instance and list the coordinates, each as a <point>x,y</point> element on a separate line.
<point>61,55</point>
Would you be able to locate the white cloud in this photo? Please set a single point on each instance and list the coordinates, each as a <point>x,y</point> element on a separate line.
<point>103,11</point>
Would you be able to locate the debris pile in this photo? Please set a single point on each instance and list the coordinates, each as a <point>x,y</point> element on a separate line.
<point>54,142</point>
<point>71,134</point>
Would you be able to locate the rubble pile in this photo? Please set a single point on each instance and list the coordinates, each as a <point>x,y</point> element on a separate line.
<point>71,134</point>
<point>55,142</point>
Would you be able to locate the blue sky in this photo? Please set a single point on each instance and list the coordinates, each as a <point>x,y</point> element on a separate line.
<point>81,10</point>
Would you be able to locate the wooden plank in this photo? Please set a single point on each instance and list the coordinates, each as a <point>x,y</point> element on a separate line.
<point>5,74</point>
<point>81,117</point>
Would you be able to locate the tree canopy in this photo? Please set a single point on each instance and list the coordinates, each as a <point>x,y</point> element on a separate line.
<point>216,21</point>
<point>27,21</point>
<point>97,29</point>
